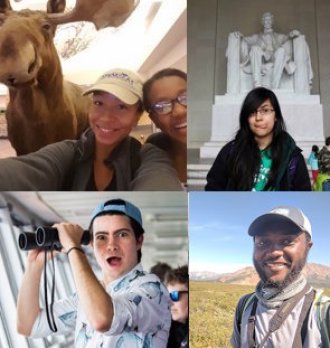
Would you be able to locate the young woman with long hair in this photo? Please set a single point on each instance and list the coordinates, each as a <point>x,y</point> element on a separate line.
<point>263,156</point>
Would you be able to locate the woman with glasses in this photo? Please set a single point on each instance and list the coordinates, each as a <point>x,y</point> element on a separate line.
<point>177,281</point>
<point>165,98</point>
<point>263,156</point>
<point>105,158</point>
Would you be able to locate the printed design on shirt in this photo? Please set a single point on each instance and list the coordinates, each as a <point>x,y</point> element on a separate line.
<point>262,175</point>
<point>136,299</point>
<point>129,339</point>
<point>128,279</point>
<point>84,335</point>
<point>153,290</point>
<point>68,318</point>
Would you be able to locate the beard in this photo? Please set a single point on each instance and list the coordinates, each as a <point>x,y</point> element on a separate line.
<point>292,275</point>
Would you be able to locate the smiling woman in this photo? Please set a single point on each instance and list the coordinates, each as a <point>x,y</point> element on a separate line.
<point>263,156</point>
<point>105,157</point>
<point>165,98</point>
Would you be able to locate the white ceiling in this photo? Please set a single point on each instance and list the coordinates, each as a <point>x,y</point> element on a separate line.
<point>152,38</point>
<point>164,217</point>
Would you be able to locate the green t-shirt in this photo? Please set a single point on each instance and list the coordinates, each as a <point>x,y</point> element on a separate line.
<point>263,174</point>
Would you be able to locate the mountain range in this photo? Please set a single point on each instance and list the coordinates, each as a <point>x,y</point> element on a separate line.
<point>317,275</point>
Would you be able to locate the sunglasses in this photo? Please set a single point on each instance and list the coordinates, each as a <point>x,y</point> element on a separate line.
<point>175,295</point>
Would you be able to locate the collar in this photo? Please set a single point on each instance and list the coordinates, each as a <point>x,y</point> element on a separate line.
<point>127,278</point>
<point>125,159</point>
<point>273,298</point>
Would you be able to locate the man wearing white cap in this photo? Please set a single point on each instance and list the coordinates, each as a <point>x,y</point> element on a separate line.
<point>127,308</point>
<point>284,311</point>
<point>105,158</point>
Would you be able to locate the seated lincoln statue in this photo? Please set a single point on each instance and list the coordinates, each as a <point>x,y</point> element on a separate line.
<point>269,59</point>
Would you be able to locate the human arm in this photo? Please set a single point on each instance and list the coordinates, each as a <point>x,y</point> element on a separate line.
<point>155,172</point>
<point>141,303</point>
<point>94,300</point>
<point>235,339</point>
<point>301,180</point>
<point>28,307</point>
<point>294,33</point>
<point>217,177</point>
<point>42,170</point>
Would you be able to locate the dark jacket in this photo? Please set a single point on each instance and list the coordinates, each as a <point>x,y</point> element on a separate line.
<point>293,174</point>
<point>324,160</point>
<point>179,335</point>
<point>67,165</point>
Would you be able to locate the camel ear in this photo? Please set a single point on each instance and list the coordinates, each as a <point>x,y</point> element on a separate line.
<point>5,6</point>
<point>56,6</point>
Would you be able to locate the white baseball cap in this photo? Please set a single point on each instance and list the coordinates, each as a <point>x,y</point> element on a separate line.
<point>291,216</point>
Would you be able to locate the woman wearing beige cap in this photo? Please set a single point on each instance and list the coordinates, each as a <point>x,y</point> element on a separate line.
<point>105,157</point>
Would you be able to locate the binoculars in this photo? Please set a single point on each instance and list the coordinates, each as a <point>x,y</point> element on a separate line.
<point>45,238</point>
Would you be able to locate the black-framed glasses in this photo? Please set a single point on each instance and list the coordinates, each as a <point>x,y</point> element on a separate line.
<point>262,111</point>
<point>166,106</point>
<point>176,295</point>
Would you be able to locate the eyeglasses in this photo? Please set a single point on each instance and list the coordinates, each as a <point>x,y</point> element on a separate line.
<point>165,107</point>
<point>176,295</point>
<point>262,112</point>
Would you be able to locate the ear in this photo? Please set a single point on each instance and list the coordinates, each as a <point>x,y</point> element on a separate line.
<point>139,241</point>
<point>5,6</point>
<point>56,6</point>
<point>309,245</point>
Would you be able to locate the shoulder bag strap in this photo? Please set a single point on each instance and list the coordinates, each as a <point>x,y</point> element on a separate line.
<point>281,314</point>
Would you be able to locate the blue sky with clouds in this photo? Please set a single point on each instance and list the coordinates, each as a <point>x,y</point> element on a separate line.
<point>218,223</point>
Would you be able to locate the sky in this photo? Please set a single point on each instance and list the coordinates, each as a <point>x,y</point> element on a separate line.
<point>218,223</point>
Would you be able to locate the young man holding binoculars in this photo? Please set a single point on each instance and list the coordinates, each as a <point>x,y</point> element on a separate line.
<point>127,308</point>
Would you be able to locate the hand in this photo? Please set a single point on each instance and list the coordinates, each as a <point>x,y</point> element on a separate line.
<point>36,257</point>
<point>237,34</point>
<point>294,33</point>
<point>69,234</point>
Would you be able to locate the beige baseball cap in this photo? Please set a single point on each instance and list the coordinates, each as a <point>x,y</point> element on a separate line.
<point>122,83</point>
<point>293,217</point>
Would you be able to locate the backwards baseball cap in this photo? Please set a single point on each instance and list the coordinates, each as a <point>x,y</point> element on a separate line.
<point>122,83</point>
<point>294,218</point>
<point>118,205</point>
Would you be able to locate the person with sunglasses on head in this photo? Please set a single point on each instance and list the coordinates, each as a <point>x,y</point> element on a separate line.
<point>106,157</point>
<point>177,283</point>
<point>126,308</point>
<point>165,99</point>
<point>262,156</point>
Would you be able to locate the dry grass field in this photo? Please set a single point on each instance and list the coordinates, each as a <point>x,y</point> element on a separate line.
<point>211,312</point>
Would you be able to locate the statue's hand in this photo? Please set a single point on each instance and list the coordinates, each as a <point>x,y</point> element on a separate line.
<point>237,34</point>
<point>294,33</point>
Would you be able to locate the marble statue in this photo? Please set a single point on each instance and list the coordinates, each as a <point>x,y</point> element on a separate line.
<point>269,59</point>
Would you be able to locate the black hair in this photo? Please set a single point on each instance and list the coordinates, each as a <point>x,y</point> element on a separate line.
<point>136,227</point>
<point>327,141</point>
<point>158,75</point>
<point>245,161</point>
<point>315,149</point>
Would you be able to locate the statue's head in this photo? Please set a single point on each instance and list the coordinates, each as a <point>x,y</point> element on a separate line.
<point>267,20</point>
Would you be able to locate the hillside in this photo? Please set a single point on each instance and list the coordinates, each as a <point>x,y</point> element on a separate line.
<point>318,275</point>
